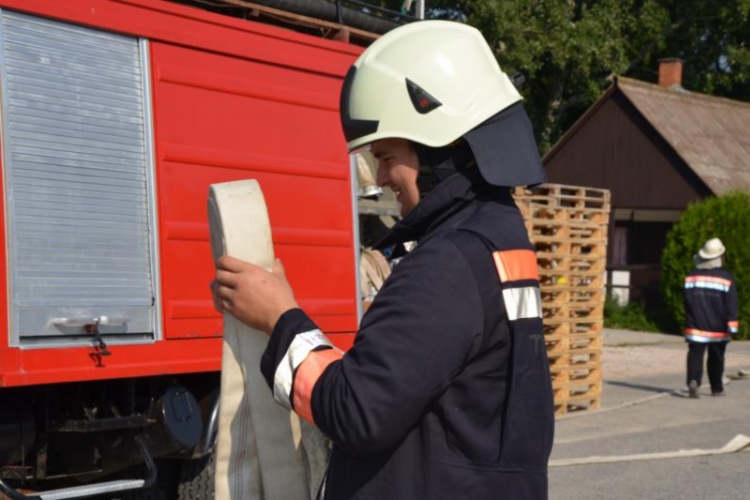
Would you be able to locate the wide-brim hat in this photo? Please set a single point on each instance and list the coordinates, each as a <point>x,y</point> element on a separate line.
<point>712,249</point>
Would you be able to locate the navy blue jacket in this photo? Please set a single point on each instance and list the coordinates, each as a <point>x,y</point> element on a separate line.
<point>711,313</point>
<point>446,392</point>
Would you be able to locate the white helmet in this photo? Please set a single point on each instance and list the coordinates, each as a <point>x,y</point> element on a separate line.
<point>429,82</point>
<point>712,249</point>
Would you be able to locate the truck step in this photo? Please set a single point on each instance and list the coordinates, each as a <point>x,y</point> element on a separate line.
<point>89,490</point>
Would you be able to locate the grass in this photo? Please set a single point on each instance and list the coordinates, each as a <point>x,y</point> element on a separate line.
<point>629,317</point>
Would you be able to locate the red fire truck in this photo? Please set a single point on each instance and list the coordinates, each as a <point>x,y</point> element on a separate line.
<point>116,117</point>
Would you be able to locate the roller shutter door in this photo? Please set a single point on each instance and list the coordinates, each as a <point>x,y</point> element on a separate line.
<point>77,166</point>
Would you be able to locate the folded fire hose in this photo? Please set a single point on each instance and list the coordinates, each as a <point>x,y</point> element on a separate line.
<point>264,451</point>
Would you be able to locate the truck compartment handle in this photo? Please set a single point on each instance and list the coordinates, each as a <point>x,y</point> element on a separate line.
<point>93,321</point>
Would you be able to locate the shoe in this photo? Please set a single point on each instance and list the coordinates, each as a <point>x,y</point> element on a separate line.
<point>718,393</point>
<point>693,389</point>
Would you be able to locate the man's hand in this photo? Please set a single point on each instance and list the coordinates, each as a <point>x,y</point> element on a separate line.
<point>251,294</point>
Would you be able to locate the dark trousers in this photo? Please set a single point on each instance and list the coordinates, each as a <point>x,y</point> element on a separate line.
<point>715,363</point>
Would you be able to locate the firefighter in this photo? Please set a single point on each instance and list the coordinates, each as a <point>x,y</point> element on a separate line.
<point>711,317</point>
<point>446,391</point>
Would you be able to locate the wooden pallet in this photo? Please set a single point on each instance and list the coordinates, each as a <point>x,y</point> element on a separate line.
<point>574,231</point>
<point>567,246</point>
<point>568,197</point>
<point>568,225</point>
<point>567,343</point>
<point>535,211</point>
<point>579,402</point>
<point>563,293</point>
<point>576,379</point>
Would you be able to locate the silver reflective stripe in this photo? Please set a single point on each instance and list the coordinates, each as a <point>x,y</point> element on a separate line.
<point>300,347</point>
<point>76,162</point>
<point>525,302</point>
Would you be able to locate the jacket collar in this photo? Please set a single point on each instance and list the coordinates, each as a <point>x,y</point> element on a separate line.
<point>446,199</point>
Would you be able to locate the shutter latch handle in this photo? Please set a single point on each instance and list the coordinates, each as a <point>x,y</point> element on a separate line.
<point>91,326</point>
<point>93,329</point>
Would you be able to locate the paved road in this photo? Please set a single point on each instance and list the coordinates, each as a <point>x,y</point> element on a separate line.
<point>643,414</point>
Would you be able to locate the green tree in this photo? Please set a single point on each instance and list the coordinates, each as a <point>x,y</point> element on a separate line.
<point>569,49</point>
<point>726,217</point>
<point>713,38</point>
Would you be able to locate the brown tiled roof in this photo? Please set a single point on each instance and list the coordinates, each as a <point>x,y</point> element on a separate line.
<point>711,134</point>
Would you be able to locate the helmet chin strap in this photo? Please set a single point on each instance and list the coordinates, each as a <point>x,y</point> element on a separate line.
<point>437,164</point>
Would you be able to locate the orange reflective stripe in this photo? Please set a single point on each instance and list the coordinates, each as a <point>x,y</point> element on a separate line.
<point>701,333</point>
<point>514,265</point>
<point>734,324</point>
<point>710,279</point>
<point>307,376</point>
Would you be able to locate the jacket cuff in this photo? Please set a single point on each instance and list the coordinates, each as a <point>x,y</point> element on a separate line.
<point>292,339</point>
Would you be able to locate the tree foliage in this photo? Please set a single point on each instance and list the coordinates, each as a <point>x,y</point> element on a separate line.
<point>726,217</point>
<point>569,50</point>
<point>713,37</point>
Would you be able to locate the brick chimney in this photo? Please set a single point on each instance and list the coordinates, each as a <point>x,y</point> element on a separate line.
<point>670,73</point>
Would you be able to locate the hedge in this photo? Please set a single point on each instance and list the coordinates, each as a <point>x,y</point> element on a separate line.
<point>726,217</point>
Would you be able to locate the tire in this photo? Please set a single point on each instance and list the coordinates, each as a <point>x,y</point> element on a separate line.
<point>197,478</point>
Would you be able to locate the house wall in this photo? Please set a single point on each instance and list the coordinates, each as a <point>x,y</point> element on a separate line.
<point>618,149</point>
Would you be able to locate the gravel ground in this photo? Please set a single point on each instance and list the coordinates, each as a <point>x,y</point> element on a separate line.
<point>656,359</point>
<point>643,412</point>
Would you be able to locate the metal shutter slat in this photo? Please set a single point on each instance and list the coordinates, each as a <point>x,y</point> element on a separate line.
<point>77,124</point>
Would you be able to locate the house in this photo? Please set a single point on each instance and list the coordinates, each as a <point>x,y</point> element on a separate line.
<point>657,148</point>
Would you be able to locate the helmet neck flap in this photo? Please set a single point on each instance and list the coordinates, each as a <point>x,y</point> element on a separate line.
<point>437,164</point>
<point>503,148</point>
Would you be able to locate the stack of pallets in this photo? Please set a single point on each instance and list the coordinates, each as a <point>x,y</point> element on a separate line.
<point>568,225</point>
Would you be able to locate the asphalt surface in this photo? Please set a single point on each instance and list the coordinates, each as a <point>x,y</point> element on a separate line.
<point>650,413</point>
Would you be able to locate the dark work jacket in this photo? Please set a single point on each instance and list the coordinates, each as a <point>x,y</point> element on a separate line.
<point>442,396</point>
<point>711,313</point>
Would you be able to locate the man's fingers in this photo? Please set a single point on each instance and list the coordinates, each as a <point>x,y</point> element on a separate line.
<point>223,299</point>
<point>224,293</point>
<point>226,278</point>
<point>232,264</point>
<point>218,302</point>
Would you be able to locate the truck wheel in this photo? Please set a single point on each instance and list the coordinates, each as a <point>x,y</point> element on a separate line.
<point>197,478</point>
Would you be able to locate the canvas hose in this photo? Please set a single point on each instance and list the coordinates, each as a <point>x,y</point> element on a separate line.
<point>263,450</point>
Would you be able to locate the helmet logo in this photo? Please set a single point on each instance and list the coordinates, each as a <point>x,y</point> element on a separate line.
<point>421,99</point>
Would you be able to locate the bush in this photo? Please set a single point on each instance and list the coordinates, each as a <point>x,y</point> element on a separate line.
<point>726,217</point>
<point>632,316</point>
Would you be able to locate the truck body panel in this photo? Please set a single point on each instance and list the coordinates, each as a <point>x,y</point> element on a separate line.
<point>229,99</point>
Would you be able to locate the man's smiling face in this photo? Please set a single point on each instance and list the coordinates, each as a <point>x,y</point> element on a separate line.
<point>398,169</point>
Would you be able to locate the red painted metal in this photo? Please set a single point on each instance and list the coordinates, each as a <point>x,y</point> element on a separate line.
<point>232,100</point>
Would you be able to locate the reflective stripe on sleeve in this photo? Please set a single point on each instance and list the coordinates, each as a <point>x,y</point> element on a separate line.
<point>300,347</point>
<point>524,302</point>
<point>515,265</point>
<point>734,326</point>
<point>307,376</point>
